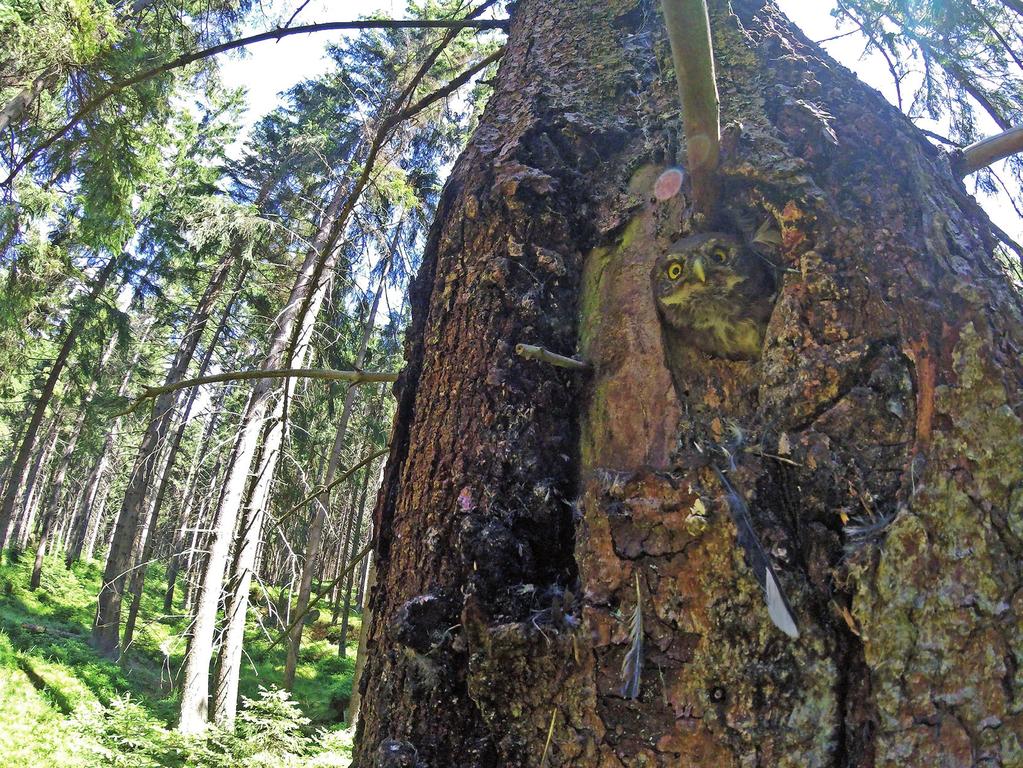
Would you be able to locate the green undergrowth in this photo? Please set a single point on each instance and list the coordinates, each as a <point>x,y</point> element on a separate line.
<point>63,705</point>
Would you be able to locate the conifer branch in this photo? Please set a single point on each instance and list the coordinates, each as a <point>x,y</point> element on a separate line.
<point>688,27</point>
<point>92,104</point>
<point>983,153</point>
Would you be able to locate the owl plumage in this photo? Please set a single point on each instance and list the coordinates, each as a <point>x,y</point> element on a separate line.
<point>716,293</point>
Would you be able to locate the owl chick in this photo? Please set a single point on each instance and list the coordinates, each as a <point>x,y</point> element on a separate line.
<point>716,293</point>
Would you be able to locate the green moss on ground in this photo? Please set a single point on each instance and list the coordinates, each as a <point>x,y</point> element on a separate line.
<point>54,688</point>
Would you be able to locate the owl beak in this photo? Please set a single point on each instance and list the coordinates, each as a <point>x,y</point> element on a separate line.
<point>698,270</point>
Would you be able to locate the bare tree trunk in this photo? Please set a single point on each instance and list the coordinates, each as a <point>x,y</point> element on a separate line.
<point>90,542</point>
<point>138,575</point>
<point>21,525</point>
<point>873,445</point>
<point>314,534</point>
<point>28,441</point>
<point>205,516</point>
<point>225,696</point>
<point>60,472</point>
<point>225,693</point>
<point>201,450</point>
<point>360,655</point>
<point>89,513</point>
<point>195,687</point>
<point>346,592</point>
<point>106,629</point>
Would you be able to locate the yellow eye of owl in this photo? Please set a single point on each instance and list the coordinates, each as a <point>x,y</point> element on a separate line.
<point>720,255</point>
<point>674,271</point>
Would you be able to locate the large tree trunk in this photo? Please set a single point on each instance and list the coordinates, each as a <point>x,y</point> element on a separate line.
<point>28,440</point>
<point>130,520</point>
<point>524,506</point>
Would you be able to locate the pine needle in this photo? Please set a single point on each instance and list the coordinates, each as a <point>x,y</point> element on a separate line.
<point>550,733</point>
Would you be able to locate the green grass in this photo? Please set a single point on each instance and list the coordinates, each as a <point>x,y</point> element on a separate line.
<point>49,673</point>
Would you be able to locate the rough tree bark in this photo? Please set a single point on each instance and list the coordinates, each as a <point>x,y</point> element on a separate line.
<point>877,441</point>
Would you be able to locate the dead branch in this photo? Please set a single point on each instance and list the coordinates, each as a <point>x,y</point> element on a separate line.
<point>531,352</point>
<point>327,374</point>
<point>983,153</point>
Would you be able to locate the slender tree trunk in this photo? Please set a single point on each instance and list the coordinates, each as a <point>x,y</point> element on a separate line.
<point>138,575</point>
<point>195,687</point>
<point>360,655</point>
<point>106,629</point>
<point>225,694</point>
<point>89,513</point>
<point>315,532</point>
<point>90,543</point>
<point>225,697</point>
<point>28,441</point>
<point>343,546</point>
<point>200,535</point>
<point>60,472</point>
<point>201,450</point>
<point>21,525</point>
<point>528,513</point>
<point>50,506</point>
<point>346,592</point>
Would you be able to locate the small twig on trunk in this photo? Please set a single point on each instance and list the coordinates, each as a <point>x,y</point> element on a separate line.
<point>983,153</point>
<point>691,52</point>
<point>532,352</point>
<point>328,374</point>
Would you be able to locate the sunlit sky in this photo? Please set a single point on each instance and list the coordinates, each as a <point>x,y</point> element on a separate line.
<point>269,68</point>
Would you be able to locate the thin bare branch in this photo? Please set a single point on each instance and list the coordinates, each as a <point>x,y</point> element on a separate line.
<point>531,352</point>
<point>328,374</point>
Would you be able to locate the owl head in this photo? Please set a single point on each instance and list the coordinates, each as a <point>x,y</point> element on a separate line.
<point>717,292</point>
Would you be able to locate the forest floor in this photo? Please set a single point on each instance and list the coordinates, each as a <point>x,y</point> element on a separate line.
<point>63,705</point>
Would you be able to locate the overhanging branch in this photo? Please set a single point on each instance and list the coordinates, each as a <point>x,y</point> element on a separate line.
<point>328,374</point>
<point>983,153</point>
<point>689,32</point>
<point>92,104</point>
